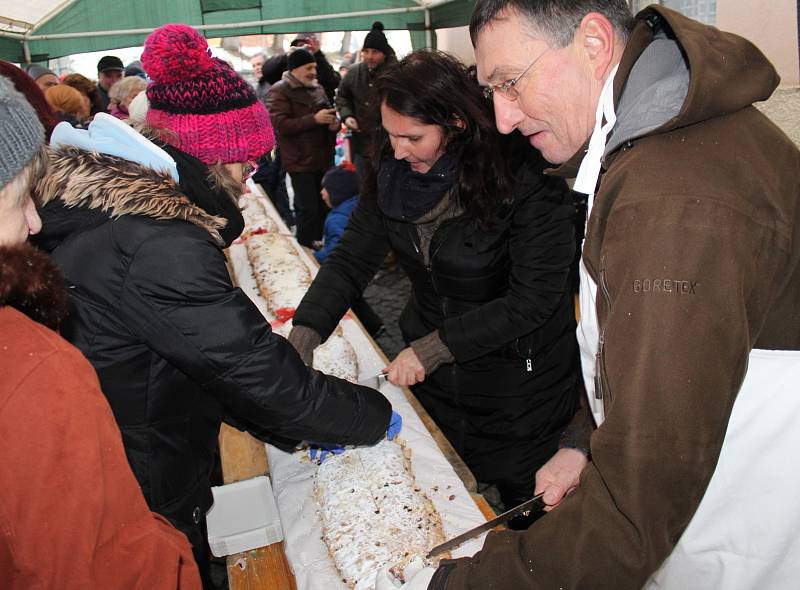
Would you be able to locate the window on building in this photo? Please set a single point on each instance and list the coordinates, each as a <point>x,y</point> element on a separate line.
<point>704,11</point>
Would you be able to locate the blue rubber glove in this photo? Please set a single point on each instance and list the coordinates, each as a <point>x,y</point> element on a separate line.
<point>395,424</point>
<point>321,451</point>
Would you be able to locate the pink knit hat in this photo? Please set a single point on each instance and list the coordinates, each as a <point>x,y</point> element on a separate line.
<point>214,113</point>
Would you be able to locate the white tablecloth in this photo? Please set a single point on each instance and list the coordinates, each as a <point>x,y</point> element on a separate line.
<point>293,477</point>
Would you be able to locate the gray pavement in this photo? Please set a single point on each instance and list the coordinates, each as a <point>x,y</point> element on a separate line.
<point>387,294</point>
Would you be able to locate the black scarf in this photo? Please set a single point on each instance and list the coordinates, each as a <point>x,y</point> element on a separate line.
<point>405,195</point>
<point>196,185</point>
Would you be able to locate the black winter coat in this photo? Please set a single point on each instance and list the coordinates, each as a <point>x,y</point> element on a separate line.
<point>499,298</point>
<point>176,347</point>
<point>355,98</point>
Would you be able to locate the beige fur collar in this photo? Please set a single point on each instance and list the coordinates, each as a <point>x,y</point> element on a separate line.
<point>86,179</point>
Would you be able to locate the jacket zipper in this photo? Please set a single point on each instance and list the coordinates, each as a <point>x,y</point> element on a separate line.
<point>601,386</point>
<point>527,356</point>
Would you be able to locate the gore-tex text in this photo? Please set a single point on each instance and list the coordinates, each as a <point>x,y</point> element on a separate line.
<point>664,286</point>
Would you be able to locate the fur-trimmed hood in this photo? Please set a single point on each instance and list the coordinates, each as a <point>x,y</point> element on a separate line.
<point>99,187</point>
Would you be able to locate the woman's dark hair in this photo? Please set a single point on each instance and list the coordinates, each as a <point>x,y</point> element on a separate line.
<point>435,88</point>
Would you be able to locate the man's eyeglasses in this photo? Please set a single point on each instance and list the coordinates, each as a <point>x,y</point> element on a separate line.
<point>508,88</point>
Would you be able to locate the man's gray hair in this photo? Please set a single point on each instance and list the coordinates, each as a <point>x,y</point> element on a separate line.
<point>555,20</point>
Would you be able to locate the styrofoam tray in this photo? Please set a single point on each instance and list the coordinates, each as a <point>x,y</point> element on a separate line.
<point>244,516</point>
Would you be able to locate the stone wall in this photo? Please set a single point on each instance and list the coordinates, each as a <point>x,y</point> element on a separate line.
<point>783,107</point>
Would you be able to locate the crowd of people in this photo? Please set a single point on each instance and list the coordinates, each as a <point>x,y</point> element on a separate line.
<point>660,428</point>
<point>74,98</point>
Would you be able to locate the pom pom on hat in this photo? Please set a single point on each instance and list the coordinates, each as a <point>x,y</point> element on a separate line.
<point>176,52</point>
<point>375,39</point>
<point>214,115</point>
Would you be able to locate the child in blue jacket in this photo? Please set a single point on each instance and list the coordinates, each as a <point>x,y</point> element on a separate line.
<point>340,193</point>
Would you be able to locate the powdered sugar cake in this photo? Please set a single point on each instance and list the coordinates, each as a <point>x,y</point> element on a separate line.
<point>336,357</point>
<point>256,218</point>
<point>373,513</point>
<point>281,275</point>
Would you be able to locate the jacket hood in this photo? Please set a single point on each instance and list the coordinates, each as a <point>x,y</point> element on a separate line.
<point>676,72</point>
<point>93,188</point>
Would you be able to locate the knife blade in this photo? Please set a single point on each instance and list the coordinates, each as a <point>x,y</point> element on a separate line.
<point>536,502</point>
<point>374,382</point>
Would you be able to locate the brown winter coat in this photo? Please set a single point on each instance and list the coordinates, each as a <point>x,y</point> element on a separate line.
<point>306,146</point>
<point>693,242</point>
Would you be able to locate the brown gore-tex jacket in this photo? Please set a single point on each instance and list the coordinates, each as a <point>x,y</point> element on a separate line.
<point>694,243</point>
<point>306,146</point>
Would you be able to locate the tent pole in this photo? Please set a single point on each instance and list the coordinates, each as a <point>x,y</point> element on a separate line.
<point>428,36</point>
<point>26,50</point>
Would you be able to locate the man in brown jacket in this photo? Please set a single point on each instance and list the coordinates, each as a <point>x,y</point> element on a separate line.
<point>305,126</point>
<point>690,333</point>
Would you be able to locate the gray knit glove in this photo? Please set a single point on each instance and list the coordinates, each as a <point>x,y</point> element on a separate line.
<point>304,340</point>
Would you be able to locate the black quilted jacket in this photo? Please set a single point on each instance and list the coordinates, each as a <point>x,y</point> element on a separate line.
<point>176,347</point>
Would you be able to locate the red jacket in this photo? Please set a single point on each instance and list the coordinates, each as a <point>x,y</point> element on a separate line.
<point>71,512</point>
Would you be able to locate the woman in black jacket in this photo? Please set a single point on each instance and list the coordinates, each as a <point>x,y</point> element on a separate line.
<point>176,347</point>
<point>487,244</point>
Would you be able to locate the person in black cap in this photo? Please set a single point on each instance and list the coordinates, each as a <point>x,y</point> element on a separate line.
<point>109,72</point>
<point>305,126</point>
<point>44,77</point>
<point>274,67</point>
<point>353,99</point>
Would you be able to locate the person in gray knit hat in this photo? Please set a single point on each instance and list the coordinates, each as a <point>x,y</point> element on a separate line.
<point>21,141</point>
<point>61,451</point>
<point>44,77</point>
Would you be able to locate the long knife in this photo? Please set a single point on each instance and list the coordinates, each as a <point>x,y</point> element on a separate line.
<point>374,382</point>
<point>536,502</point>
